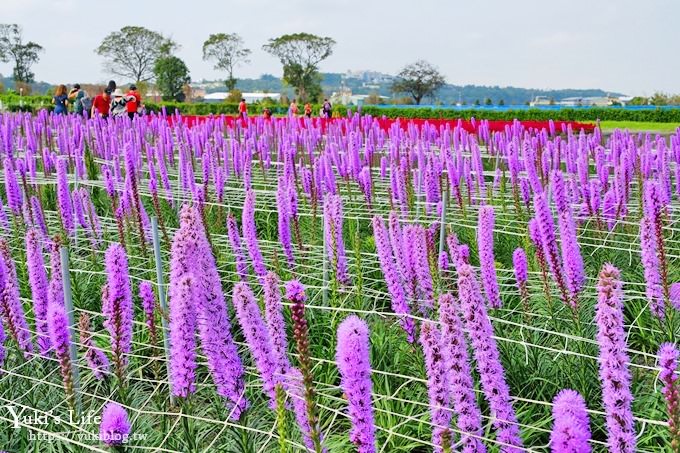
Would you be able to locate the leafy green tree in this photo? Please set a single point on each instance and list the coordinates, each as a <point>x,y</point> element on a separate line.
<point>418,80</point>
<point>300,54</point>
<point>171,77</point>
<point>24,55</point>
<point>228,52</point>
<point>488,101</point>
<point>133,52</point>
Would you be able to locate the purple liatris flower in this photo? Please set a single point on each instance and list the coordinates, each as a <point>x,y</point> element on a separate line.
<point>295,293</point>
<point>548,241</point>
<point>650,264</point>
<point>118,307</point>
<point>12,191</point>
<point>250,234</point>
<point>60,339</point>
<point>415,254</point>
<point>461,385</point>
<point>183,336</point>
<point>394,285</point>
<point>273,311</point>
<point>115,426</point>
<point>235,243</point>
<point>284,214</point>
<point>37,278</point>
<point>192,255</point>
<point>668,362</point>
<point>10,304</point>
<point>257,336</point>
<point>437,384</point>
<point>352,358</point>
<point>487,265</point>
<point>614,373</point>
<point>295,388</point>
<point>674,295</point>
<point>335,246</point>
<point>95,357</point>
<point>64,197</point>
<point>148,298</point>
<point>3,352</point>
<point>571,251</point>
<point>480,332</point>
<point>571,429</point>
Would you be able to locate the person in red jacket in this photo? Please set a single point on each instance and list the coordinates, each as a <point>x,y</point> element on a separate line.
<point>133,106</point>
<point>101,104</point>
<point>242,109</point>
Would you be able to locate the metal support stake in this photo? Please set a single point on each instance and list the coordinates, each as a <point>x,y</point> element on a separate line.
<point>161,296</point>
<point>68,305</point>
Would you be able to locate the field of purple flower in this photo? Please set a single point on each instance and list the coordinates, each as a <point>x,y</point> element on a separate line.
<point>277,286</point>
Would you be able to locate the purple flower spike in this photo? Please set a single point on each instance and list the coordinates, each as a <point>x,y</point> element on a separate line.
<point>668,362</point>
<point>37,277</point>
<point>192,255</point>
<point>60,339</point>
<point>250,234</point>
<point>115,426</point>
<point>275,321</point>
<point>437,385</point>
<point>257,336</point>
<point>235,242</point>
<point>64,197</point>
<point>392,278</point>
<point>118,307</point>
<point>183,336</point>
<point>674,295</point>
<point>571,428</point>
<point>650,264</point>
<point>614,373</point>
<point>487,264</point>
<point>463,400</point>
<point>10,304</point>
<point>352,358</point>
<point>480,332</point>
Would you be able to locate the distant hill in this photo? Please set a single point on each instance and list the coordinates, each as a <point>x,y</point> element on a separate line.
<point>367,82</point>
<point>37,87</point>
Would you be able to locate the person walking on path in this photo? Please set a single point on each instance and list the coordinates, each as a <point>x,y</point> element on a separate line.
<point>327,109</point>
<point>293,109</point>
<point>242,109</point>
<point>60,100</point>
<point>134,104</point>
<point>101,104</point>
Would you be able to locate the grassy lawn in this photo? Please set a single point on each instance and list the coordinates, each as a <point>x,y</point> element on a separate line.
<point>639,126</point>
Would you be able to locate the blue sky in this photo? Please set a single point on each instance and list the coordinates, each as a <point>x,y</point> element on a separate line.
<point>620,45</point>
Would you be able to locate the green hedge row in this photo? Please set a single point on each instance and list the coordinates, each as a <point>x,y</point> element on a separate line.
<point>590,114</point>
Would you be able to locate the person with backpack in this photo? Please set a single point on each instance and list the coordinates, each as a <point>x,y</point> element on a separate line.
<point>134,104</point>
<point>327,109</point>
<point>77,97</point>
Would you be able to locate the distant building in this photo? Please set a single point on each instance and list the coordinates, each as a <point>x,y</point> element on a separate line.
<point>345,97</point>
<point>595,101</point>
<point>540,100</point>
